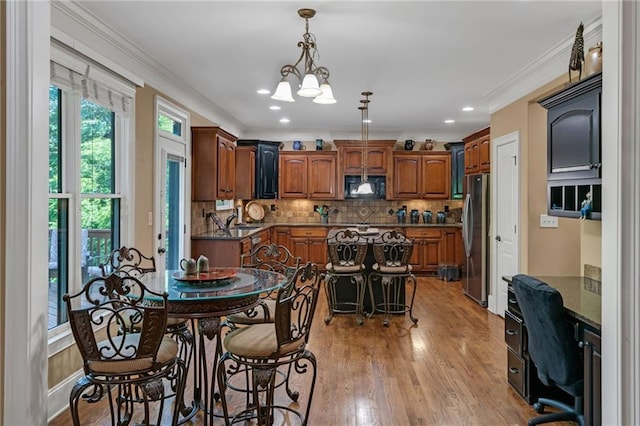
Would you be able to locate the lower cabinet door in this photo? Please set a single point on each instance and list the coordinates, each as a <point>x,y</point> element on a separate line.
<point>516,372</point>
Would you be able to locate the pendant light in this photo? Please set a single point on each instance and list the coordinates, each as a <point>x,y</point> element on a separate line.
<point>365,186</point>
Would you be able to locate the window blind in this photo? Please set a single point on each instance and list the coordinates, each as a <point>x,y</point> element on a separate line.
<point>72,71</point>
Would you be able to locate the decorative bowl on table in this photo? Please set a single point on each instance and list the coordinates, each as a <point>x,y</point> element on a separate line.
<point>362,228</point>
<point>214,276</point>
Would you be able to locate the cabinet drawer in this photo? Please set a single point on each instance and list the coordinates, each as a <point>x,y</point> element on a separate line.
<point>423,233</point>
<point>512,302</point>
<point>312,232</point>
<point>516,372</point>
<point>245,245</point>
<point>513,329</point>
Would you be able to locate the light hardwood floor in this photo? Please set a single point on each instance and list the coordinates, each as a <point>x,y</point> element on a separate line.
<point>449,369</point>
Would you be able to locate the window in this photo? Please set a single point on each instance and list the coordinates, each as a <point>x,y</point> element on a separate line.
<point>88,162</point>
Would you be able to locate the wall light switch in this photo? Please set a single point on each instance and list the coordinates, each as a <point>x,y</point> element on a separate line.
<point>547,221</point>
<point>150,218</point>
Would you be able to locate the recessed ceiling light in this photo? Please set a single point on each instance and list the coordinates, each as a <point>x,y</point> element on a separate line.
<point>284,120</point>
<point>468,108</point>
<point>264,91</point>
<point>275,107</point>
<point>449,121</point>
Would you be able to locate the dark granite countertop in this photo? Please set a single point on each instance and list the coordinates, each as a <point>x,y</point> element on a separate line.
<point>238,233</point>
<point>581,297</point>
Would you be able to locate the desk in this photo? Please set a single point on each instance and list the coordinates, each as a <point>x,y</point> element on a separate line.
<point>582,303</point>
<point>206,304</point>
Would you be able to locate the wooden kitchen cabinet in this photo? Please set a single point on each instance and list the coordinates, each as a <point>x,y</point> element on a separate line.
<point>221,252</point>
<point>378,155</point>
<point>310,243</point>
<point>281,236</point>
<point>452,246</point>
<point>245,172</point>
<point>214,164</point>
<point>425,175</point>
<point>310,175</point>
<point>427,248</point>
<point>477,152</point>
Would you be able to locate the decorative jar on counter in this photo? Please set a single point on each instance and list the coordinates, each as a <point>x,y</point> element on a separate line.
<point>415,216</point>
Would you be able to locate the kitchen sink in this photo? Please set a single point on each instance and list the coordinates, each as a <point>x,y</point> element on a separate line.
<point>248,227</point>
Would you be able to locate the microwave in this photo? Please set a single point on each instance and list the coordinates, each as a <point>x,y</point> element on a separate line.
<point>378,184</point>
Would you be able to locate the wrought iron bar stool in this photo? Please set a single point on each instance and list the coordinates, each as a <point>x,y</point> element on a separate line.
<point>126,356</point>
<point>264,348</point>
<point>392,251</point>
<point>270,257</point>
<point>347,250</point>
<point>130,261</point>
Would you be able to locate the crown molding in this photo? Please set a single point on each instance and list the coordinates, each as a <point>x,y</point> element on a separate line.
<point>542,70</point>
<point>71,22</point>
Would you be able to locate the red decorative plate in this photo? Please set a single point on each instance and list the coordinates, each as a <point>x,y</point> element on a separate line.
<point>214,274</point>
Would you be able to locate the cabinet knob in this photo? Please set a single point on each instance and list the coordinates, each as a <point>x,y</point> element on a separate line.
<point>513,370</point>
<point>583,345</point>
<point>511,332</point>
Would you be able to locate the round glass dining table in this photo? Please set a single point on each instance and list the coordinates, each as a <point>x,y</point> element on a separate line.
<point>206,298</point>
<point>220,292</point>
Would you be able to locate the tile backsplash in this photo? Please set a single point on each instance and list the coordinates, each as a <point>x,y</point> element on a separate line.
<point>348,211</point>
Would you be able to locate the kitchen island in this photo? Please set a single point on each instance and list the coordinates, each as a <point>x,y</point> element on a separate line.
<point>434,243</point>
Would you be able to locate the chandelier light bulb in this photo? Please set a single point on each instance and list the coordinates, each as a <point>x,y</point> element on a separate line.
<point>310,87</point>
<point>327,95</point>
<point>283,92</point>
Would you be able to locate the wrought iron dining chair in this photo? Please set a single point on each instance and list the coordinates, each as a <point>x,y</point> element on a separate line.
<point>270,257</point>
<point>392,251</point>
<point>265,347</point>
<point>130,261</point>
<point>347,250</point>
<point>275,258</point>
<point>126,356</point>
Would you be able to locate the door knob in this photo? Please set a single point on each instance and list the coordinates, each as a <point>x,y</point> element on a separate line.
<point>162,250</point>
<point>498,238</point>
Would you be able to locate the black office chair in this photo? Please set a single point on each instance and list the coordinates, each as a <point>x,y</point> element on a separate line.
<point>552,347</point>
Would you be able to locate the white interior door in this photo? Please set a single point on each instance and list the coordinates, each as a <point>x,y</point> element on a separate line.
<point>505,217</point>
<point>172,207</point>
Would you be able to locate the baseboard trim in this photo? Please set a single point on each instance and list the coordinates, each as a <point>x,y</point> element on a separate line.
<point>58,396</point>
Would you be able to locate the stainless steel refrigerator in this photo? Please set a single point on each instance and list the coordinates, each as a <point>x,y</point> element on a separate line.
<point>475,232</point>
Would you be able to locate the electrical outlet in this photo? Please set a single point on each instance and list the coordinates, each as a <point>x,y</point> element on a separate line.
<point>273,207</point>
<point>547,221</point>
<point>315,207</point>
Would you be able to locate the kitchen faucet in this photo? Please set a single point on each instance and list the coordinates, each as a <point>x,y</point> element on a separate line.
<point>229,219</point>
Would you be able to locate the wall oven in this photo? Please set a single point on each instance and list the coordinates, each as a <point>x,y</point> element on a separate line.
<point>378,184</point>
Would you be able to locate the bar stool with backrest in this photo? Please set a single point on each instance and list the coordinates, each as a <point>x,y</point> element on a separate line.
<point>125,354</point>
<point>130,261</point>
<point>270,257</point>
<point>347,250</point>
<point>264,348</point>
<point>392,251</point>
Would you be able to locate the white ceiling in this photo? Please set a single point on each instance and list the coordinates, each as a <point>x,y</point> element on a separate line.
<point>423,60</point>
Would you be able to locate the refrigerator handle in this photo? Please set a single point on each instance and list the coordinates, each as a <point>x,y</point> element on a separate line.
<point>466,225</point>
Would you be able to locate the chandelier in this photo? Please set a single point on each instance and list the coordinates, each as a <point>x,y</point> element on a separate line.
<point>365,186</point>
<point>311,75</point>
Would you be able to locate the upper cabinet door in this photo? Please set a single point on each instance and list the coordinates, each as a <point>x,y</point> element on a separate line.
<point>293,175</point>
<point>213,158</point>
<point>267,173</point>
<point>322,177</point>
<point>573,131</point>
<point>407,176</point>
<point>436,176</point>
